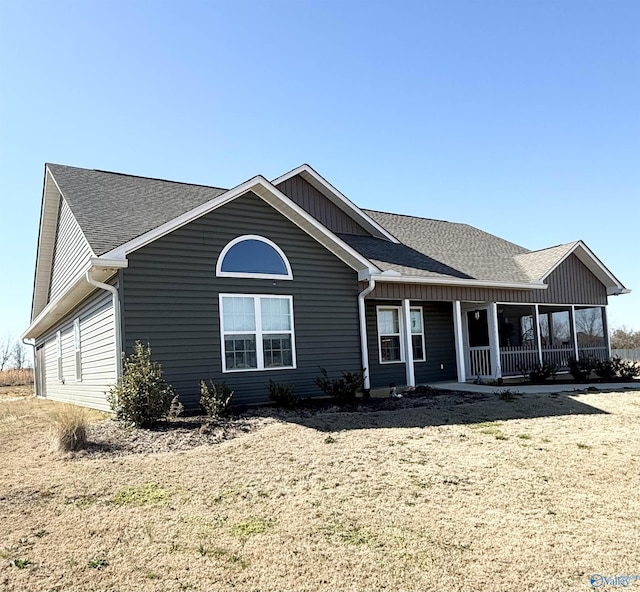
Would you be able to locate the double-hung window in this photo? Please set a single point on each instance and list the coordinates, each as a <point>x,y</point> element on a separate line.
<point>257,332</point>
<point>391,334</point>
<point>417,335</point>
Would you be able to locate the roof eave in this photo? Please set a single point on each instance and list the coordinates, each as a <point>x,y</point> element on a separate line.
<point>78,290</point>
<point>594,265</point>
<point>473,283</point>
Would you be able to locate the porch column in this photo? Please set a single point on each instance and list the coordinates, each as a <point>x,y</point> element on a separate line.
<point>572,313</point>
<point>536,320</point>
<point>459,341</point>
<point>408,345</point>
<point>605,331</point>
<point>494,340</point>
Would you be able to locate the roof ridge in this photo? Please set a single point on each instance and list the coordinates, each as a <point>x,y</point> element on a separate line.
<point>548,248</point>
<point>137,176</point>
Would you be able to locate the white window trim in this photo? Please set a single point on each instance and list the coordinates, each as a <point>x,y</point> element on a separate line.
<point>77,348</point>
<point>59,356</point>
<point>263,276</point>
<point>424,347</point>
<point>403,356</point>
<point>258,333</point>
<point>399,334</point>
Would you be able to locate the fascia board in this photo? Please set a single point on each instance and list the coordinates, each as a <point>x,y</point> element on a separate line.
<point>261,187</point>
<point>47,237</point>
<point>40,267</point>
<point>336,197</point>
<point>404,279</point>
<point>594,265</point>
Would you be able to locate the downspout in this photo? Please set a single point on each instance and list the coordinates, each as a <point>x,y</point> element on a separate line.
<point>363,333</point>
<point>116,320</point>
<point>33,345</point>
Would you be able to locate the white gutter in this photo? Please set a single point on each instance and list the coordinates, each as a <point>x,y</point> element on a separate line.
<point>388,276</point>
<point>363,333</point>
<point>116,320</point>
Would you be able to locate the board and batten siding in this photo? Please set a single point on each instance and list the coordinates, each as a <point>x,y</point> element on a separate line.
<point>570,283</point>
<point>72,251</point>
<point>171,301</point>
<point>320,207</point>
<point>97,346</point>
<point>440,363</point>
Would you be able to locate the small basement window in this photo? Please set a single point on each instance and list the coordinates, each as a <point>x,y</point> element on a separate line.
<point>252,256</point>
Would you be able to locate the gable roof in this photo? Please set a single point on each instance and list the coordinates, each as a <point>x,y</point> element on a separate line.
<point>119,213</point>
<point>338,199</point>
<point>114,208</point>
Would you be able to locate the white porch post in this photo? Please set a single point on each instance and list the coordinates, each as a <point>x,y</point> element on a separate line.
<point>408,346</point>
<point>605,330</point>
<point>573,332</point>
<point>494,340</point>
<point>536,320</point>
<point>459,341</point>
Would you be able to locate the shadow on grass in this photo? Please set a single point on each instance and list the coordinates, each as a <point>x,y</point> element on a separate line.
<point>438,409</point>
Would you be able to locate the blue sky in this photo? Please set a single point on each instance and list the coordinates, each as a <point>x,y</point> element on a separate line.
<point>519,117</point>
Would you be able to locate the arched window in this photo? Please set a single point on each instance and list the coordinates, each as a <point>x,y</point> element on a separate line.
<point>255,257</point>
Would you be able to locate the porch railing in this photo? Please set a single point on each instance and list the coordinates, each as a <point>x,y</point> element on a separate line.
<point>558,355</point>
<point>480,361</point>
<point>600,352</point>
<point>515,359</point>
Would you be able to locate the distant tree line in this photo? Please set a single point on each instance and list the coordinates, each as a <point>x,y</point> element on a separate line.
<point>13,354</point>
<point>624,338</point>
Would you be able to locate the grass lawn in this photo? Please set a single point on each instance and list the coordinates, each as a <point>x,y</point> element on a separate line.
<point>535,493</point>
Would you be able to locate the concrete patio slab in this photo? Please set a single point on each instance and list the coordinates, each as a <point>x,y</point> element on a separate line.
<point>536,388</point>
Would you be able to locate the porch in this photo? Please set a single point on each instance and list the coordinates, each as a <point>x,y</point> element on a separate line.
<point>510,339</point>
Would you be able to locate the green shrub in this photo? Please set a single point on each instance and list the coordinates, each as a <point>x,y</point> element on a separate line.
<point>342,390</point>
<point>539,374</point>
<point>142,397</point>
<point>625,369</point>
<point>605,369</point>
<point>215,399</point>
<point>581,368</point>
<point>282,395</point>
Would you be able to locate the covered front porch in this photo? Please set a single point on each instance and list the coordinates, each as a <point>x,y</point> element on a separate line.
<point>499,339</point>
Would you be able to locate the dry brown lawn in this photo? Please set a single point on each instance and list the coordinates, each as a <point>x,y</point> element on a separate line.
<point>536,493</point>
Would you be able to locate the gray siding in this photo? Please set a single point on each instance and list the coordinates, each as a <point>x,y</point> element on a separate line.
<point>439,345</point>
<point>321,208</point>
<point>97,344</point>
<point>71,253</point>
<point>570,283</point>
<point>171,293</point>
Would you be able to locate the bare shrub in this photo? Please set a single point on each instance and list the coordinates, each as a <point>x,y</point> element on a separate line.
<point>69,429</point>
<point>16,377</point>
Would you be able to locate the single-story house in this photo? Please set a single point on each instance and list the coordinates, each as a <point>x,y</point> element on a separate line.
<point>272,280</point>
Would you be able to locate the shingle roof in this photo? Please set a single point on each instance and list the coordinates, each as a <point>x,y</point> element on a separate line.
<point>112,208</point>
<point>462,249</point>
<point>536,264</point>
